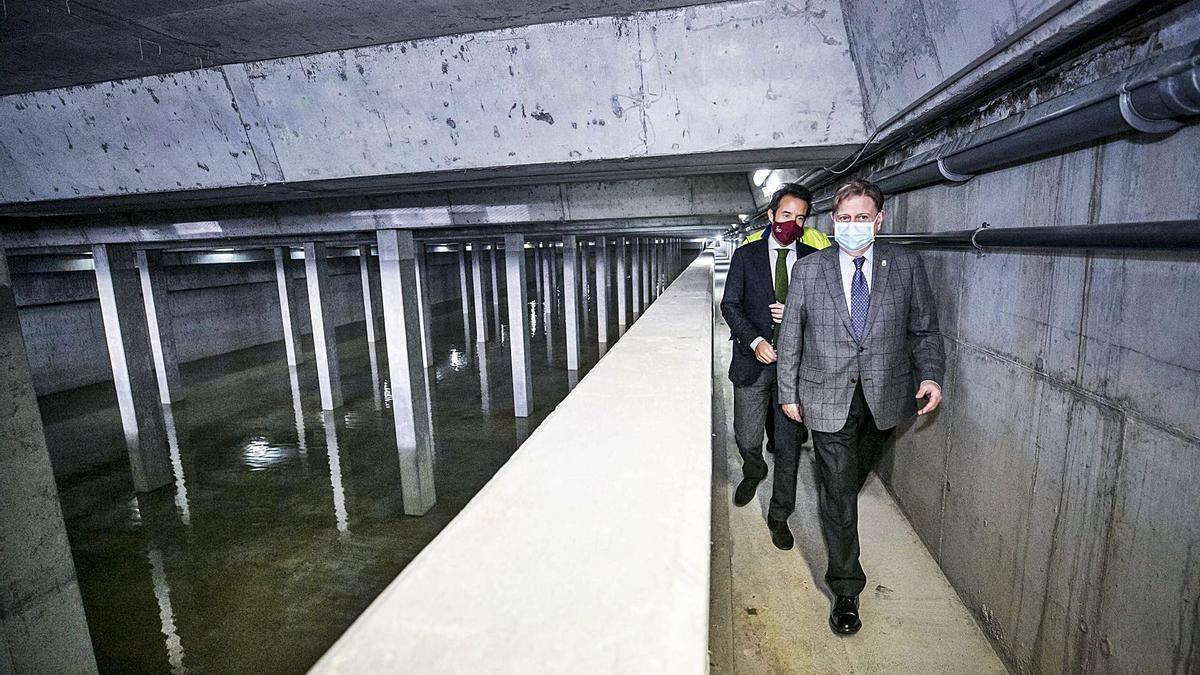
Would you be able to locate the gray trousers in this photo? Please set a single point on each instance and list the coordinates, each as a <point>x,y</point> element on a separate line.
<point>751,406</point>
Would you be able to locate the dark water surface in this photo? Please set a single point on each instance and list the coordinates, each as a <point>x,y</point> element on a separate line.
<point>284,521</point>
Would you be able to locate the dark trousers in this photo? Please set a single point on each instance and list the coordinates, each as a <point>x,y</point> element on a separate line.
<point>844,460</point>
<point>753,405</point>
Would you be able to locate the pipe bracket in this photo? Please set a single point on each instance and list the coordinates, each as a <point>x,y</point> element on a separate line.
<point>950,175</point>
<point>974,234</point>
<point>1138,121</point>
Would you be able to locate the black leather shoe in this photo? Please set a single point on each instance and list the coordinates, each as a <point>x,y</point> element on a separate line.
<point>781,536</point>
<point>843,619</point>
<point>745,491</point>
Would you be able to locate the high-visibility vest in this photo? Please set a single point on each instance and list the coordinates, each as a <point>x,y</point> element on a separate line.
<point>811,236</point>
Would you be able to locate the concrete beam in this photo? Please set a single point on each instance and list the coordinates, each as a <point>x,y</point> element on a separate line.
<point>541,94</point>
<point>42,624</point>
<point>410,405</point>
<point>324,329</point>
<point>158,323</point>
<point>518,324</point>
<point>129,352</point>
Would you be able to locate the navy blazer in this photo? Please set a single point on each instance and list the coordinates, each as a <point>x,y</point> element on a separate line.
<point>746,305</point>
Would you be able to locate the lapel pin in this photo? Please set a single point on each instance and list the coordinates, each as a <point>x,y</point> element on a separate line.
<point>883,263</point>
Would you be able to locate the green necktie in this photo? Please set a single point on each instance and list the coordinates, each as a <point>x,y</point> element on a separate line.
<point>781,286</point>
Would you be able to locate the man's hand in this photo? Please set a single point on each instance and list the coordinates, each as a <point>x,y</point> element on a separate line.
<point>794,412</point>
<point>934,392</point>
<point>765,353</point>
<point>777,312</point>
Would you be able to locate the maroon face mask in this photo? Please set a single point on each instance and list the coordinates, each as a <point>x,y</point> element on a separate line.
<point>786,232</point>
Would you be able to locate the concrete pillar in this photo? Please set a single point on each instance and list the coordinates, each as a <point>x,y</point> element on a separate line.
<point>126,333</point>
<point>320,311</point>
<point>635,268</point>
<point>537,283</point>
<point>481,321</point>
<point>518,324</point>
<point>158,322</point>
<point>410,402</point>
<point>426,313</point>
<point>287,305</point>
<point>622,287</point>
<point>495,293</point>
<point>645,265</point>
<point>585,282</point>
<point>464,288</point>
<point>547,293</point>
<point>42,624</point>
<point>571,298</point>
<point>555,279</point>
<point>364,272</point>
<point>602,291</point>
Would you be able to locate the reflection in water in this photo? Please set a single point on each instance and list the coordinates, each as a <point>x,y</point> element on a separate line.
<point>485,389</point>
<point>458,360</point>
<point>572,379</point>
<point>375,393</point>
<point>166,615</point>
<point>298,411</point>
<point>260,455</point>
<point>603,348</point>
<point>533,317</point>
<point>181,497</point>
<point>335,471</point>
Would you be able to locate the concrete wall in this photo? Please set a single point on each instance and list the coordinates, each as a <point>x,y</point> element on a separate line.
<point>215,308</point>
<point>1058,487</point>
<point>905,49</point>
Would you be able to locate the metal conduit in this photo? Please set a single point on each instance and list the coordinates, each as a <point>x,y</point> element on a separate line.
<point>1152,97</point>
<point>1174,235</point>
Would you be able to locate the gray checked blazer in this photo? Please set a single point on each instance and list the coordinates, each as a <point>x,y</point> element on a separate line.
<point>820,363</point>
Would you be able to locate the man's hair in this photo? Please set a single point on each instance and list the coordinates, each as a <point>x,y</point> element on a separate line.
<point>858,188</point>
<point>791,190</point>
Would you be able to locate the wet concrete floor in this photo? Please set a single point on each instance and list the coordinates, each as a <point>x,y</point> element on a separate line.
<point>284,521</point>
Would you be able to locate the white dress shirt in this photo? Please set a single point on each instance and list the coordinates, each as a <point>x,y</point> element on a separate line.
<point>847,265</point>
<point>773,255</point>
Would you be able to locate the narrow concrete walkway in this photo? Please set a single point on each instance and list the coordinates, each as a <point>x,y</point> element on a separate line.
<point>770,607</point>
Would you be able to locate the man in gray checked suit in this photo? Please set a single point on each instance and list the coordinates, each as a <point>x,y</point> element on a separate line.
<point>860,331</point>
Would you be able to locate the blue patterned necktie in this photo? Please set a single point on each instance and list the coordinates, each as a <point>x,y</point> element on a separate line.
<point>860,299</point>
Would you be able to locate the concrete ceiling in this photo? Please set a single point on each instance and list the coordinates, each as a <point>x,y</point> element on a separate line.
<point>46,44</point>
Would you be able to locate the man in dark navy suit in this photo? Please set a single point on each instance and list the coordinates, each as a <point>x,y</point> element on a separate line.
<point>755,289</point>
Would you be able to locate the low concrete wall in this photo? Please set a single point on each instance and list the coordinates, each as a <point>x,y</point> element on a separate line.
<point>589,551</point>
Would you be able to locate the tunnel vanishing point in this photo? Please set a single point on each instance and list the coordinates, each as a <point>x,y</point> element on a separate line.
<point>381,336</point>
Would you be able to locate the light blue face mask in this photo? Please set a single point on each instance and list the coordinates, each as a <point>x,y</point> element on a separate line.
<point>854,236</point>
